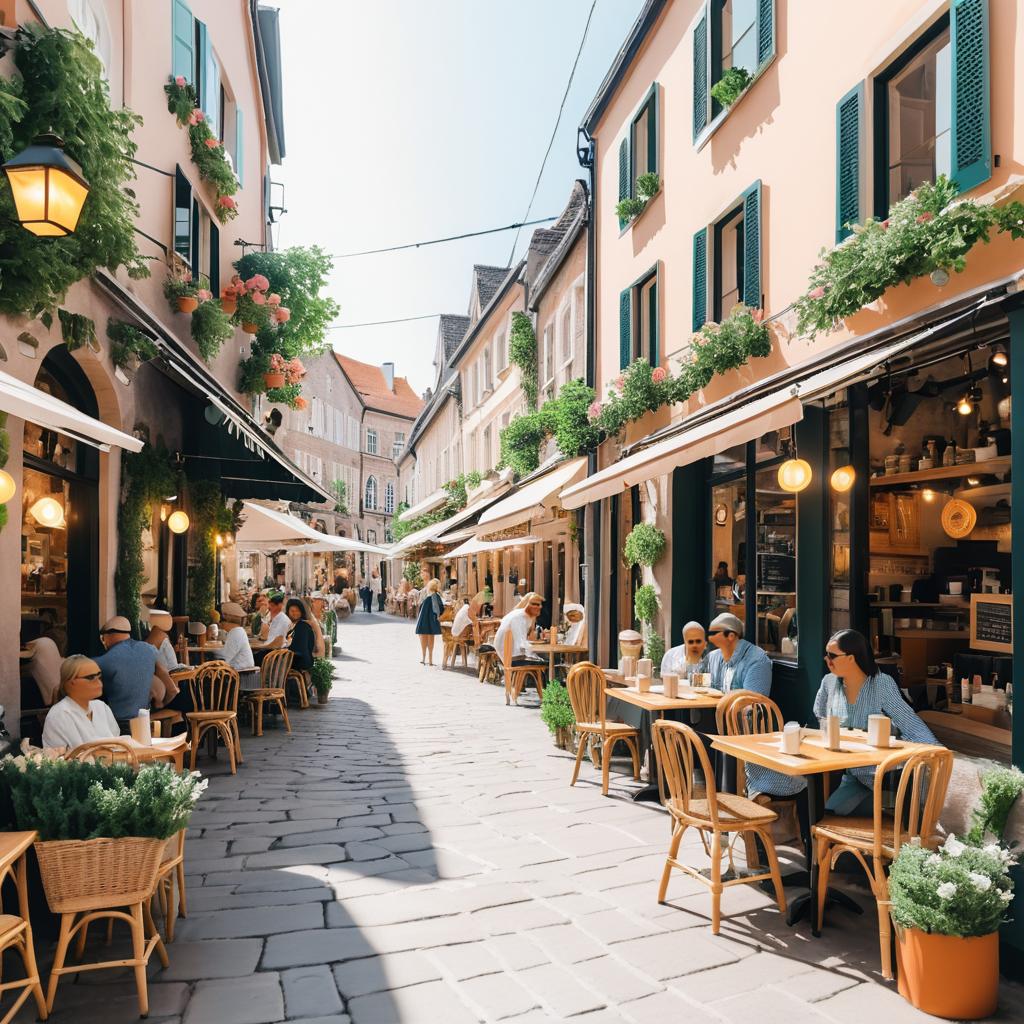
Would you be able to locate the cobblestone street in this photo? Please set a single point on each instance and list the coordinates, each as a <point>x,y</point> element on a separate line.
<point>413,852</point>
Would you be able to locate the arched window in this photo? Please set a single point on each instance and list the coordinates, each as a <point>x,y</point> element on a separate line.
<point>370,497</point>
<point>389,497</point>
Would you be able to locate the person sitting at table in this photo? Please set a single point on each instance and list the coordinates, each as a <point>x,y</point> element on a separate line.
<point>465,617</point>
<point>160,624</point>
<point>301,638</point>
<point>132,675</point>
<point>237,652</point>
<point>261,616</point>
<point>319,647</point>
<point>521,623</point>
<point>275,631</point>
<point>80,717</point>
<point>428,621</point>
<point>736,664</point>
<point>576,616</point>
<point>690,657</point>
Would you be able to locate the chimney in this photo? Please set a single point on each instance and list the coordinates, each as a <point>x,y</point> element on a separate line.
<point>389,376</point>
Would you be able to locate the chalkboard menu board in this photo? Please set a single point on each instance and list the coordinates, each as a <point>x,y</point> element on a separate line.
<point>776,574</point>
<point>992,622</point>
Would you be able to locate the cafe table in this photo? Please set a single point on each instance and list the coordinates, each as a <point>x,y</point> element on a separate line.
<point>551,650</point>
<point>813,760</point>
<point>168,749</point>
<point>655,704</point>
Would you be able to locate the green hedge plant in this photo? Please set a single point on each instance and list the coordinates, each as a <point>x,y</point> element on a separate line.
<point>1000,789</point>
<point>645,603</point>
<point>322,674</point>
<point>555,708</point>
<point>645,544</point>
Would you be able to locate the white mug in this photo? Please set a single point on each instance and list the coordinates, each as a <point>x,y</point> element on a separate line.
<point>791,738</point>
<point>879,730</point>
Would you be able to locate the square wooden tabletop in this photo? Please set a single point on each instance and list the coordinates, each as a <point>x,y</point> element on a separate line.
<point>651,701</point>
<point>14,844</point>
<point>547,648</point>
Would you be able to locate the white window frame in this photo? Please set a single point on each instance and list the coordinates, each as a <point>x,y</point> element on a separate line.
<point>370,494</point>
<point>397,444</point>
<point>371,449</point>
<point>548,357</point>
<point>389,498</point>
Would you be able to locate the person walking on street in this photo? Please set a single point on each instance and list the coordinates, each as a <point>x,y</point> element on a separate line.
<point>376,591</point>
<point>428,622</point>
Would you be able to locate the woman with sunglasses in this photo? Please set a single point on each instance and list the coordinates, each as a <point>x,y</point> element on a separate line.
<point>81,717</point>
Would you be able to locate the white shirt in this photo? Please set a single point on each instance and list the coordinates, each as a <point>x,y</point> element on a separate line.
<point>520,625</point>
<point>67,724</point>
<point>237,652</point>
<point>574,634</point>
<point>375,584</point>
<point>280,625</point>
<point>165,655</point>
<point>462,621</point>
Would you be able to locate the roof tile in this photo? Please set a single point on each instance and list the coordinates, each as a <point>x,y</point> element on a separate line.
<point>369,382</point>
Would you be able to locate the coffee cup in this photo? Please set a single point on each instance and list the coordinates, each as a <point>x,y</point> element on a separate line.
<point>879,730</point>
<point>791,738</point>
<point>643,684</point>
<point>670,682</point>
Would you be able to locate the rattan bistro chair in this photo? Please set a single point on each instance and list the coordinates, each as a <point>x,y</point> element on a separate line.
<point>172,871</point>
<point>113,751</point>
<point>16,929</point>
<point>678,750</point>
<point>274,671</point>
<point>515,676</point>
<point>586,685</point>
<point>920,794</point>
<point>215,699</point>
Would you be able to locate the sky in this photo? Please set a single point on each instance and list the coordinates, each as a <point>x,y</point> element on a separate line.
<point>407,120</point>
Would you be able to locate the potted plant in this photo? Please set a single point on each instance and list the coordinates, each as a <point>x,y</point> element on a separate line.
<point>211,327</point>
<point>252,310</point>
<point>322,674</point>
<point>182,292</point>
<point>128,345</point>
<point>947,906</point>
<point>274,377</point>
<point>557,714</point>
<point>229,299</point>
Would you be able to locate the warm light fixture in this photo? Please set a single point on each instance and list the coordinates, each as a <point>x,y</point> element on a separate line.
<point>842,478</point>
<point>928,494</point>
<point>219,540</point>
<point>47,186</point>
<point>794,475</point>
<point>965,407</point>
<point>7,487</point>
<point>48,512</point>
<point>999,356</point>
<point>974,480</point>
<point>177,522</point>
<point>163,513</point>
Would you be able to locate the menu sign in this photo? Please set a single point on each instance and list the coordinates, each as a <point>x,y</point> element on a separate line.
<point>776,574</point>
<point>992,622</point>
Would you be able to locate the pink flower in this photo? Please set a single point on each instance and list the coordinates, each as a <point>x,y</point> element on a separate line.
<point>925,217</point>
<point>227,202</point>
<point>259,298</point>
<point>273,299</point>
<point>196,116</point>
<point>757,315</point>
<point>594,410</point>
<point>282,314</point>
<point>235,280</point>
<point>620,382</point>
<point>212,143</point>
<point>301,403</point>
<point>659,374</point>
<point>295,368</point>
<point>204,294</point>
<point>885,224</point>
<point>817,293</point>
<point>277,362</point>
<point>180,81</point>
<point>257,283</point>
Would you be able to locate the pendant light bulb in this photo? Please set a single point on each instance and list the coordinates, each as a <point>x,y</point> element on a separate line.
<point>177,522</point>
<point>928,494</point>
<point>7,487</point>
<point>794,475</point>
<point>999,356</point>
<point>964,406</point>
<point>48,512</point>
<point>843,478</point>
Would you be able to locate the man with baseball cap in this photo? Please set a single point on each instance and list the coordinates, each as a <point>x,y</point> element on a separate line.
<point>128,669</point>
<point>736,664</point>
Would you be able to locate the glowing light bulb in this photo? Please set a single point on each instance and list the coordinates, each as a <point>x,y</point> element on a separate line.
<point>928,494</point>
<point>964,406</point>
<point>842,479</point>
<point>178,522</point>
<point>794,475</point>
<point>48,512</point>
<point>7,487</point>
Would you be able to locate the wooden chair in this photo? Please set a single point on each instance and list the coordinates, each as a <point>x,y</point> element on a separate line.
<point>586,685</point>
<point>453,645</point>
<point>172,871</point>
<point>487,661</point>
<point>517,675</point>
<point>679,749</point>
<point>215,699</point>
<point>920,794</point>
<point>274,671</point>
<point>105,752</point>
<point>300,680</point>
<point>16,929</point>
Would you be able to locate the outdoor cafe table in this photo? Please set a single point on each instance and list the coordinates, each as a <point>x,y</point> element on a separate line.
<point>813,761</point>
<point>552,649</point>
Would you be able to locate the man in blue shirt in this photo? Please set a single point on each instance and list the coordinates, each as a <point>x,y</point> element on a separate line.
<point>736,664</point>
<point>128,669</point>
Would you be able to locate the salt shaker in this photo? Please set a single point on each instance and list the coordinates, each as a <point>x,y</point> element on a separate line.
<point>832,732</point>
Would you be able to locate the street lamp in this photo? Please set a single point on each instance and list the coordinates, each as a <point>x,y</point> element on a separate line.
<point>48,188</point>
<point>177,522</point>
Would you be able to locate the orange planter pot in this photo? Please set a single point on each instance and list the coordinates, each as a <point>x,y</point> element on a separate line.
<point>187,303</point>
<point>229,306</point>
<point>273,380</point>
<point>250,328</point>
<point>949,976</point>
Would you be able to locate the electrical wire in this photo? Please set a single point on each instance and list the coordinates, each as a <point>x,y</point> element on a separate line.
<point>378,323</point>
<point>554,132</point>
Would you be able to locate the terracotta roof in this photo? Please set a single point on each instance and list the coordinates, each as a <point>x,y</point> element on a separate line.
<point>370,385</point>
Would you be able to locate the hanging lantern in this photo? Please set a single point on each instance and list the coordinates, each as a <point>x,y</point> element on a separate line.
<point>47,186</point>
<point>842,479</point>
<point>794,475</point>
<point>219,540</point>
<point>7,487</point>
<point>177,522</point>
<point>48,512</point>
<point>965,406</point>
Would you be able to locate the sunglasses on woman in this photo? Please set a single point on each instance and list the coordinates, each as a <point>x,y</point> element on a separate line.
<point>91,675</point>
<point>832,655</point>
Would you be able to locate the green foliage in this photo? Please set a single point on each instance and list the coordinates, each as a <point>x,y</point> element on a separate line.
<point>81,800</point>
<point>411,572</point>
<point>127,341</point>
<point>286,394</point>
<point>960,890</point>
<point>730,86</point>
<point>76,330</point>
<point>211,328</point>
<point>146,479</point>
<point>474,478</point>
<point>555,709</point>
<point>180,287</point>
<point>646,603</point>
<point>331,626</point>
<point>639,389</point>
<point>644,545</point>
<point>1000,789</point>
<point>338,486</point>
<point>522,438</point>
<point>647,187</point>
<point>924,232</point>
<point>654,648</point>
<point>569,413</point>
<point>206,510</point>
<point>181,100</point>
<point>457,498</point>
<point>522,352</point>
<point>62,88</point>
<point>322,674</point>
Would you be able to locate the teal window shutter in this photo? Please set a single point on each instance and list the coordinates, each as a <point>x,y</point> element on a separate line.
<point>652,131</point>
<point>765,31</point>
<point>209,81</point>
<point>752,246</point>
<point>624,187</point>
<point>625,327</point>
<point>652,313</point>
<point>849,154</point>
<point>700,279</point>
<point>202,43</point>
<point>701,95</point>
<point>971,131</point>
<point>182,41</point>
<point>239,146</point>
<point>214,259</point>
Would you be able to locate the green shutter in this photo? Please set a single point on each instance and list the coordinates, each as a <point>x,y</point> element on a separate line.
<point>848,160</point>
<point>625,327</point>
<point>214,259</point>
<point>700,279</point>
<point>624,189</point>
<point>700,75</point>
<point>652,312</point>
<point>751,247</point>
<point>182,41</point>
<point>239,146</point>
<point>765,31</point>
<point>652,131</point>
<point>209,81</point>
<point>971,132</point>
<point>202,44</point>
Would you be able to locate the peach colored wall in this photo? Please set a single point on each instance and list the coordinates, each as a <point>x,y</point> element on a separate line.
<point>783,133</point>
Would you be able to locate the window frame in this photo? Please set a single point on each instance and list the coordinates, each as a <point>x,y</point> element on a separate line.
<point>370,487</point>
<point>375,448</point>
<point>717,312</point>
<point>636,316</point>
<point>389,498</point>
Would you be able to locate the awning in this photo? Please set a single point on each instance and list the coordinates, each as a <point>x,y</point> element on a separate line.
<point>428,504</point>
<point>533,499</point>
<point>732,427</point>
<point>29,403</point>
<point>436,530</point>
<point>478,547</point>
<point>323,547</point>
<point>265,527</point>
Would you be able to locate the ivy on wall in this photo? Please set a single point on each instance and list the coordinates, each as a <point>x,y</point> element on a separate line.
<point>522,352</point>
<point>457,498</point>
<point>209,516</point>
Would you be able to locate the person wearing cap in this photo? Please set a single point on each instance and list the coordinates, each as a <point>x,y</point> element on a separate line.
<point>160,624</point>
<point>690,657</point>
<point>128,669</point>
<point>736,664</point>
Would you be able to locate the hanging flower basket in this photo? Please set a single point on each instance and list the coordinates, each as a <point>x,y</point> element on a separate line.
<point>273,380</point>
<point>250,328</point>
<point>229,305</point>
<point>187,303</point>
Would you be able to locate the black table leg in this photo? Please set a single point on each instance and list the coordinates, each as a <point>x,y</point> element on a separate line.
<point>651,793</point>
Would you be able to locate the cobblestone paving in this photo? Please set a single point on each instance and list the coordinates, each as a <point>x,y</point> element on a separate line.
<point>413,853</point>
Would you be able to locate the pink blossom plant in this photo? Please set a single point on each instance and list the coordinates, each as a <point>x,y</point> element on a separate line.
<point>180,81</point>
<point>659,374</point>
<point>227,202</point>
<point>212,143</point>
<point>816,293</point>
<point>294,370</point>
<point>925,217</point>
<point>277,362</point>
<point>282,314</point>
<point>619,382</point>
<point>757,315</point>
<point>301,403</point>
<point>257,283</point>
<point>204,294</point>
<point>273,299</point>
<point>196,116</point>
<point>594,410</point>
<point>259,298</point>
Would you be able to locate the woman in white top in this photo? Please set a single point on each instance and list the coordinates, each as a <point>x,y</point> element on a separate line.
<point>575,615</point>
<point>237,652</point>
<point>81,717</point>
<point>467,615</point>
<point>520,623</point>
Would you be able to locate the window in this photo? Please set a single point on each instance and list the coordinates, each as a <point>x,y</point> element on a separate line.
<point>639,326</point>
<point>638,152</point>
<point>389,498</point>
<point>488,381</point>
<point>398,444</point>
<point>738,36</point>
<point>500,351</point>
<point>370,495</point>
<point>728,285</point>
<point>548,357</point>
<point>566,343</point>
<point>371,442</point>
<point>183,216</point>
<point>388,535</point>
<point>371,536</point>
<point>207,78</point>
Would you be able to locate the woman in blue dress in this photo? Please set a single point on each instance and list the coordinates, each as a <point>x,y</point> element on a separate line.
<point>428,622</point>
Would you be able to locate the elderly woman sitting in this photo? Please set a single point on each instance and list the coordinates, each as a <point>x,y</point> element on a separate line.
<point>81,717</point>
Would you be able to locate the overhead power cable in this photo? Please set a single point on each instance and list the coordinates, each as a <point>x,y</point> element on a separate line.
<point>378,323</point>
<point>554,132</point>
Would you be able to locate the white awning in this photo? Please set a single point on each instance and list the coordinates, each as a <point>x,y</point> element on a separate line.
<point>732,427</point>
<point>266,527</point>
<point>428,504</point>
<point>436,530</point>
<point>533,499</point>
<point>29,403</point>
<point>477,547</point>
